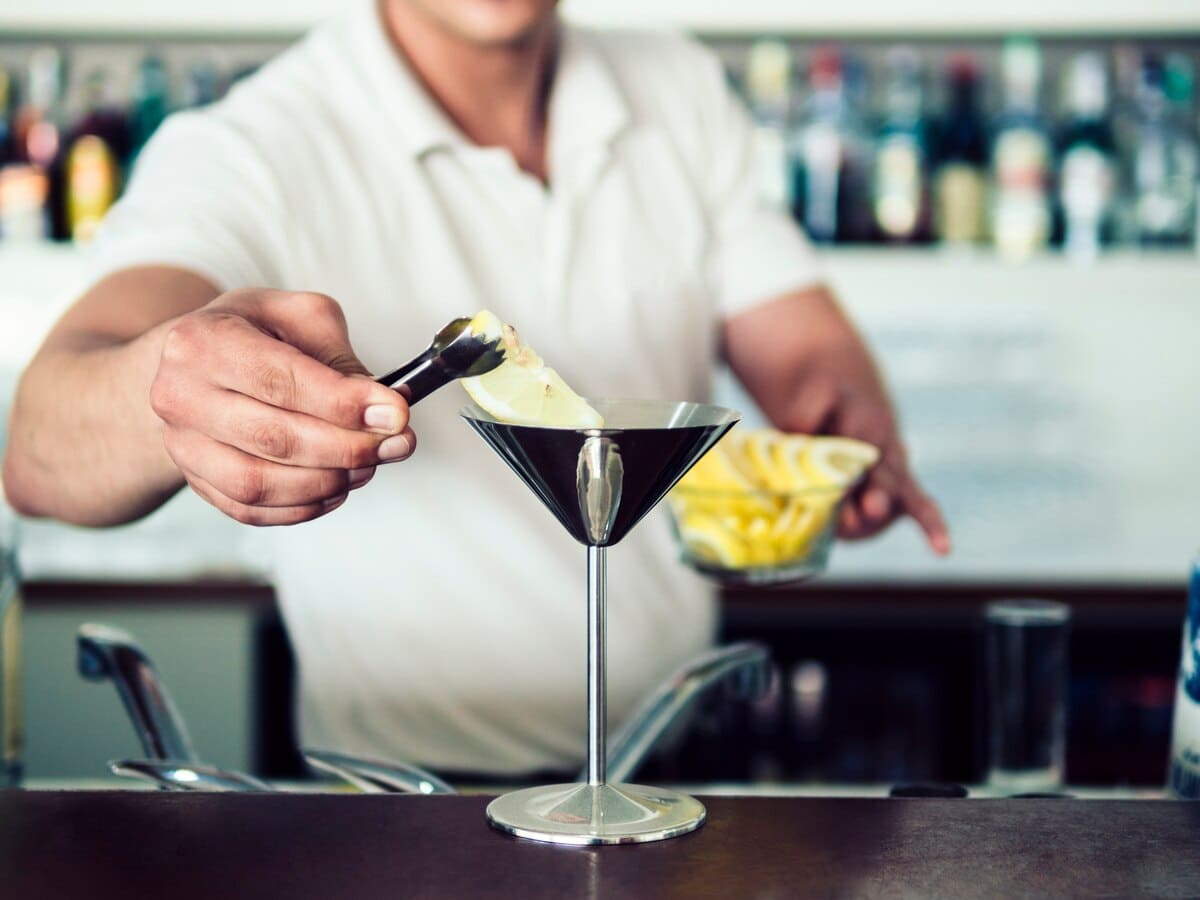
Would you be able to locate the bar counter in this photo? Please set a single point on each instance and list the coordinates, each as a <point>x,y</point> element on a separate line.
<point>103,844</point>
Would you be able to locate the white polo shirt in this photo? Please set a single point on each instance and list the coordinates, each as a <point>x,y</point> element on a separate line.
<point>438,616</point>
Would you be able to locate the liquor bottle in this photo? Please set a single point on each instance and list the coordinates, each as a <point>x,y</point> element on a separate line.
<point>1183,780</point>
<point>202,85</point>
<point>11,721</point>
<point>1086,166</point>
<point>1021,158</point>
<point>1165,155</point>
<point>899,186</point>
<point>829,153</point>
<point>7,115</point>
<point>151,101</point>
<point>98,146</point>
<point>768,93</point>
<point>960,158</point>
<point>31,182</point>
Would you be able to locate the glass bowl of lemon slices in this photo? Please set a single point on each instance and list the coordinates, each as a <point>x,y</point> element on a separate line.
<point>761,507</point>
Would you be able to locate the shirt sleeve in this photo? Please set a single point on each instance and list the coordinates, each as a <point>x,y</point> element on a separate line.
<point>759,252</point>
<point>201,197</point>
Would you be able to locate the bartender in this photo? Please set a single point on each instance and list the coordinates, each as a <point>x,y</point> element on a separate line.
<point>412,162</point>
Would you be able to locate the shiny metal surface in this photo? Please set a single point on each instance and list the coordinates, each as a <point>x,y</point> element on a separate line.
<point>597,657</point>
<point>656,442</point>
<point>376,776</point>
<point>599,483</point>
<point>599,475</point>
<point>588,814</point>
<point>745,666</point>
<point>456,352</point>
<point>106,652</point>
<point>182,775</point>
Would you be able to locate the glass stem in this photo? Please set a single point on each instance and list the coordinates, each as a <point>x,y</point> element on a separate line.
<point>596,653</point>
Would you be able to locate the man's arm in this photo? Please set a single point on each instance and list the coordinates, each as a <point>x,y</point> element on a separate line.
<point>810,372</point>
<point>152,380</point>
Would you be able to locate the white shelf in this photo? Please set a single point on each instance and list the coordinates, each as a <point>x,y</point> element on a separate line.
<point>876,17</point>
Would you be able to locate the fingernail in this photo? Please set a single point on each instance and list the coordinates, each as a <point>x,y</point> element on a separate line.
<point>396,447</point>
<point>383,417</point>
<point>359,477</point>
<point>334,503</point>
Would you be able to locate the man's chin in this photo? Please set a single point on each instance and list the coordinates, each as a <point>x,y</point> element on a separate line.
<point>491,23</point>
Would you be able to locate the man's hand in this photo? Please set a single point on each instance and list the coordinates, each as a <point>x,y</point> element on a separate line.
<point>810,372</point>
<point>823,406</point>
<point>266,410</point>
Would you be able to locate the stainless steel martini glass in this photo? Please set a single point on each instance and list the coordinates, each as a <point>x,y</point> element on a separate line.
<point>599,483</point>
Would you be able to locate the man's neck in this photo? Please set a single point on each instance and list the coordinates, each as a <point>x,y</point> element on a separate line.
<point>497,96</point>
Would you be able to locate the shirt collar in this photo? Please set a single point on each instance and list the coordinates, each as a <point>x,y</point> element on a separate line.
<point>586,105</point>
<point>422,124</point>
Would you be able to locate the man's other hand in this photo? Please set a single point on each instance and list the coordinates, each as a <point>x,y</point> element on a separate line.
<point>890,490</point>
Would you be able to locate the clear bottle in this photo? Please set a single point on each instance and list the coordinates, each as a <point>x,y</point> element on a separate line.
<point>1021,157</point>
<point>768,88</point>
<point>1165,155</point>
<point>899,188</point>
<point>960,158</point>
<point>1183,780</point>
<point>829,152</point>
<point>1087,165</point>
<point>11,720</point>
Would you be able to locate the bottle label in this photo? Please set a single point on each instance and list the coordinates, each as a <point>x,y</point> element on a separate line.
<point>1189,664</point>
<point>1185,731</point>
<point>1086,184</point>
<point>960,196</point>
<point>898,186</point>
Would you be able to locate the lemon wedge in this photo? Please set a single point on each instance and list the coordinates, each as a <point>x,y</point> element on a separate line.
<point>711,541</point>
<point>835,461</point>
<point>523,390</point>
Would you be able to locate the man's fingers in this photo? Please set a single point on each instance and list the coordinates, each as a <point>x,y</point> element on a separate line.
<point>312,322</point>
<point>262,515</point>
<point>284,437</point>
<point>876,505</point>
<point>928,516</point>
<point>257,365</point>
<point>257,482</point>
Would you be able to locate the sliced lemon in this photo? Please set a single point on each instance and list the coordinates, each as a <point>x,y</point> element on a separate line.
<point>834,461</point>
<point>717,471</point>
<point>523,390</point>
<point>710,540</point>
<point>760,544</point>
<point>717,484</point>
<point>800,525</point>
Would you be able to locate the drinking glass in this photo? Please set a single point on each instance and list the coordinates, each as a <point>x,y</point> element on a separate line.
<point>1026,656</point>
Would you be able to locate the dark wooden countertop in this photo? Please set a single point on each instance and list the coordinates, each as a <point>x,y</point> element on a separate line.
<point>135,844</point>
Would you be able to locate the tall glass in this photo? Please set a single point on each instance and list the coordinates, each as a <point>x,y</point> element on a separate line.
<point>1026,654</point>
<point>11,731</point>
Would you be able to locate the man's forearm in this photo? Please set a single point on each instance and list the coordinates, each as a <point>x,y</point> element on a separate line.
<point>787,351</point>
<point>84,444</point>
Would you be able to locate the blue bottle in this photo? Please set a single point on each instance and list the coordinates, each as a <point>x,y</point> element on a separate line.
<point>1184,780</point>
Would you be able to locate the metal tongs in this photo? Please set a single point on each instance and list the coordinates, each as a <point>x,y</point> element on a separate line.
<point>457,351</point>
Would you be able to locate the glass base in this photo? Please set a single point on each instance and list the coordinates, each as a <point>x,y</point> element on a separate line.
<point>583,814</point>
<point>1023,781</point>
